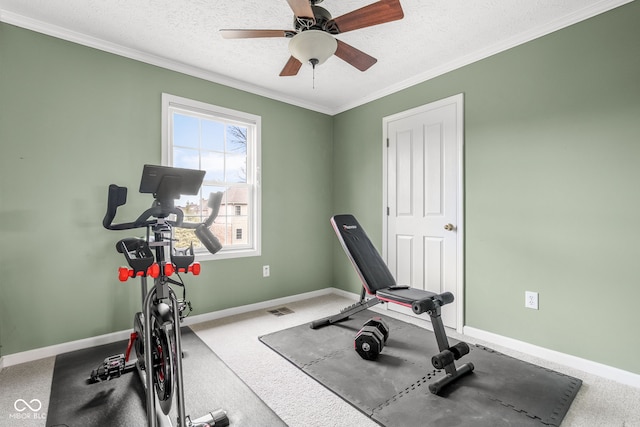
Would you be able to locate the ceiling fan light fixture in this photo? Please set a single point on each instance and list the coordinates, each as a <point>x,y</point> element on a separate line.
<point>312,45</point>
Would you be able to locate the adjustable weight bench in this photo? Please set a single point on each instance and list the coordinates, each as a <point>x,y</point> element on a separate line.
<point>378,282</point>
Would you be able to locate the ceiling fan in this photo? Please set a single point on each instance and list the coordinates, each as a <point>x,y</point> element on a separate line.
<point>312,37</point>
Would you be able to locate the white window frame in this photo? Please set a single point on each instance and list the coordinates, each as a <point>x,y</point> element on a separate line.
<point>172,103</point>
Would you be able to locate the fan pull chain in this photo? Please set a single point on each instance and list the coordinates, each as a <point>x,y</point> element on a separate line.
<point>313,62</point>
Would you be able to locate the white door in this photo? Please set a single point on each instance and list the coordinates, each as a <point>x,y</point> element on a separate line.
<point>423,201</point>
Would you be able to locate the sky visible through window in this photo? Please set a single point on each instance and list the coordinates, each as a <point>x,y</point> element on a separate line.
<point>218,148</point>
<point>225,144</point>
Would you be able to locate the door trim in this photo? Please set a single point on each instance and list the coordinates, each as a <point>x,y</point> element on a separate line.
<point>458,100</point>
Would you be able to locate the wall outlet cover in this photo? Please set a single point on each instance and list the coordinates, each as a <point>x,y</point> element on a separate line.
<point>531,300</point>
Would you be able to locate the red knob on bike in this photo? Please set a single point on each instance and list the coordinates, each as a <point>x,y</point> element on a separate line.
<point>195,268</point>
<point>169,269</point>
<point>154,270</point>
<point>124,273</point>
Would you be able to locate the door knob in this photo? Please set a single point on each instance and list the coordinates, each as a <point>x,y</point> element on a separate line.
<point>449,227</point>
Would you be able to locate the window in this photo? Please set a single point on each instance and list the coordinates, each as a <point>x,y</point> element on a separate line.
<point>226,144</point>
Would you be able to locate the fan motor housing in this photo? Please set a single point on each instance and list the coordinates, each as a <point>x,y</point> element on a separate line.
<point>323,21</point>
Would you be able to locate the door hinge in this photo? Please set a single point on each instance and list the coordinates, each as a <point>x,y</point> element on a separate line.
<point>387,142</point>
<point>388,211</point>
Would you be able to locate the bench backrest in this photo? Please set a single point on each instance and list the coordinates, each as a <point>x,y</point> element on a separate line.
<point>366,259</point>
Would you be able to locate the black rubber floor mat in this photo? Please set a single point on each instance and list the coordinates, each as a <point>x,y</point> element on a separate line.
<point>393,390</point>
<point>209,385</point>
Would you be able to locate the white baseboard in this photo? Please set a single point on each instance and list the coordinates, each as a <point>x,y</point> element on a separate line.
<point>54,350</point>
<point>585,365</point>
<point>214,315</point>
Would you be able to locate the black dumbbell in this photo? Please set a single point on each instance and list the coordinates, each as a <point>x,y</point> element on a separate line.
<point>381,325</point>
<point>371,339</point>
<point>369,342</point>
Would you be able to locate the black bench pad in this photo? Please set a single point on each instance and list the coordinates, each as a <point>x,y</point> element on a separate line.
<point>404,297</point>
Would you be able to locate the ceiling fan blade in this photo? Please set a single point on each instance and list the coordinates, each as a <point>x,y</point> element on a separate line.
<point>355,57</point>
<point>376,13</point>
<point>251,34</point>
<point>301,8</point>
<point>291,68</point>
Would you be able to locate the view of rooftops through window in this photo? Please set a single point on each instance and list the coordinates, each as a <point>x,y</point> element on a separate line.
<point>220,148</point>
<point>230,226</point>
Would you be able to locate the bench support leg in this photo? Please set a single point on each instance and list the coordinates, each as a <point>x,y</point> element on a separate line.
<point>446,359</point>
<point>346,312</point>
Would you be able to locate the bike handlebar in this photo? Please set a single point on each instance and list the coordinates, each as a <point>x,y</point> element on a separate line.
<point>118,197</point>
<point>201,229</point>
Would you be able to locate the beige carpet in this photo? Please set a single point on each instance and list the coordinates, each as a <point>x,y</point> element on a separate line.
<point>299,400</point>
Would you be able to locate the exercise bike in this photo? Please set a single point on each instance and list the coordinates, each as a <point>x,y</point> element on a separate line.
<point>156,331</point>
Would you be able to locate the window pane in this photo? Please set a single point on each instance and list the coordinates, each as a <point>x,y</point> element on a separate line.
<point>229,222</point>
<point>236,168</point>
<point>190,205</point>
<point>212,135</point>
<point>208,189</point>
<point>237,138</point>
<point>213,163</point>
<point>183,238</point>
<point>186,158</point>
<point>185,131</point>
<point>237,196</point>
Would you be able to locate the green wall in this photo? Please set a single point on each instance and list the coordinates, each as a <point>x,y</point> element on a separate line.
<point>74,120</point>
<point>552,151</point>
<point>552,142</point>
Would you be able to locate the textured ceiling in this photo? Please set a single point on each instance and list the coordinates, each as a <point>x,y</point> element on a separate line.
<point>434,36</point>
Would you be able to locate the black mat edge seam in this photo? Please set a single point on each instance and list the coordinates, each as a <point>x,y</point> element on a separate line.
<point>407,390</point>
<point>320,359</point>
<point>565,401</point>
<point>561,408</point>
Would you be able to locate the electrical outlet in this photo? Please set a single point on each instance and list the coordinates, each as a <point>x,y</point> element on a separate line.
<point>531,300</point>
<point>266,271</point>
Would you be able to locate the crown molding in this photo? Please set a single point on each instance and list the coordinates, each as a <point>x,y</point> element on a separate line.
<point>524,37</point>
<point>147,58</point>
